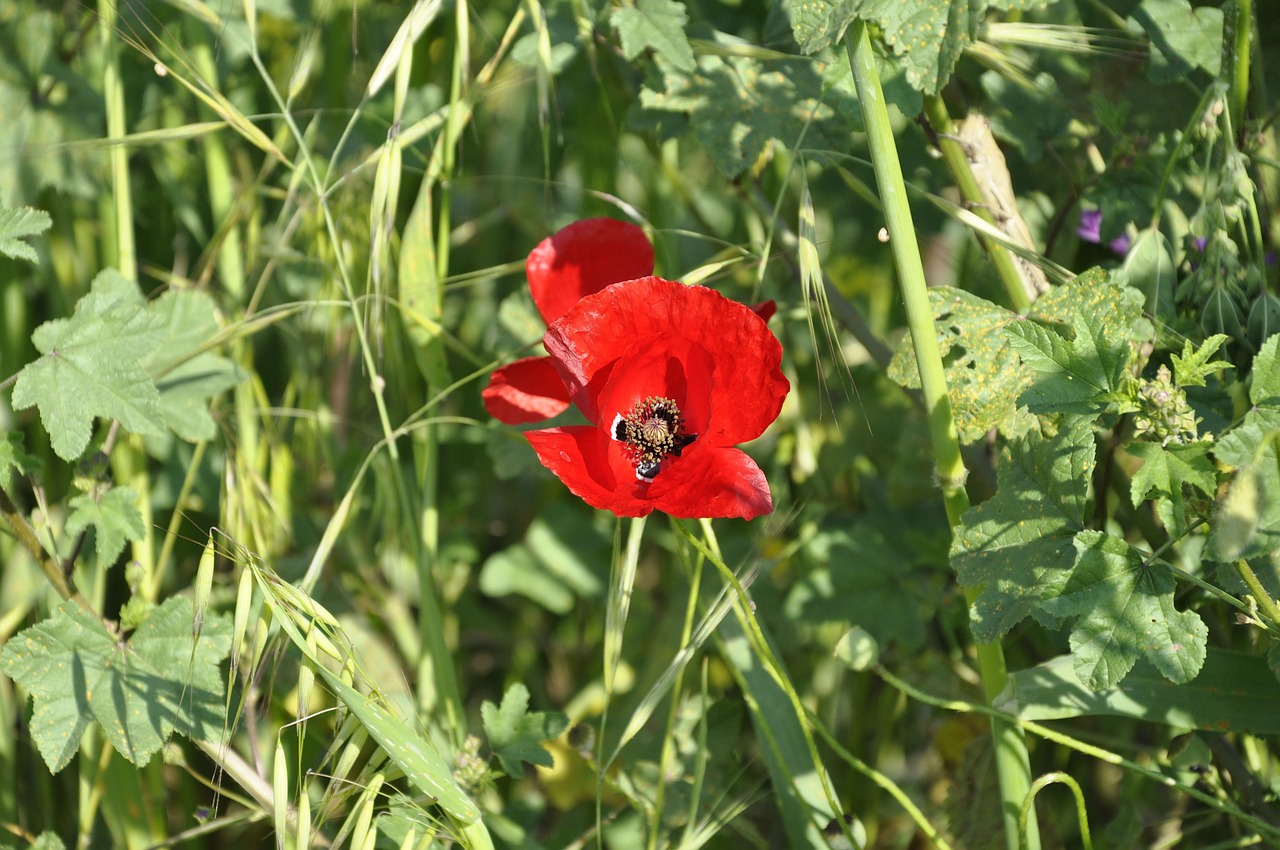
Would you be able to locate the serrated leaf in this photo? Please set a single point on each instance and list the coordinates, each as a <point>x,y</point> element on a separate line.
<point>1127,612</point>
<point>1086,373</point>
<point>91,367</point>
<point>14,459</point>
<point>1017,545</point>
<point>817,24</point>
<point>17,224</point>
<point>140,691</point>
<point>737,105</point>
<point>1265,381</point>
<point>1195,364</point>
<point>1240,446</point>
<point>516,735</point>
<point>1164,472</point>
<point>115,519</point>
<point>657,25</point>
<point>984,375</point>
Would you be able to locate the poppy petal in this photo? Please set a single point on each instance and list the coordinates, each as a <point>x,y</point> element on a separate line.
<point>583,258</point>
<point>748,386</point>
<point>528,390</point>
<point>592,466</point>
<point>711,481</point>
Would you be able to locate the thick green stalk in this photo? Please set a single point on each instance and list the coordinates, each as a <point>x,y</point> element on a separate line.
<point>1012,762</point>
<point>957,159</point>
<point>118,154</point>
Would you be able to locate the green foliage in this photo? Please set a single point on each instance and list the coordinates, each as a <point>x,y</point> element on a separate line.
<point>139,690</point>
<point>1086,373</point>
<point>517,734</point>
<point>657,25</point>
<point>18,224</point>
<point>1184,38</point>
<point>1126,611</point>
<point>1018,547</point>
<point>119,357</point>
<point>114,516</point>
<point>738,104</point>
<point>13,459</point>
<point>927,37</point>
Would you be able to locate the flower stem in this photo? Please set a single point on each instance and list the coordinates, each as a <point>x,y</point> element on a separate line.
<point>1012,762</point>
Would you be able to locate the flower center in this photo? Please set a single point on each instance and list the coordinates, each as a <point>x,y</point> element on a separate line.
<point>651,432</point>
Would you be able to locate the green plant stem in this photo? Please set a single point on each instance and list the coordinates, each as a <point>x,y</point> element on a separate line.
<point>1012,761</point>
<point>1082,812</point>
<point>27,537</point>
<point>1265,603</point>
<point>1061,738</point>
<point>1237,35</point>
<point>126,254</point>
<point>957,159</point>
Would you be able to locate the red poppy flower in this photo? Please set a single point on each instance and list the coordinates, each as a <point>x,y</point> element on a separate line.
<point>671,378</point>
<point>575,261</point>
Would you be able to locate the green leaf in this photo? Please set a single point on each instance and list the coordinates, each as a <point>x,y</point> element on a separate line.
<point>1164,472</point>
<point>1182,38</point>
<point>737,105</point>
<point>1149,268</point>
<point>865,577</point>
<point>1235,692</point>
<point>14,459</point>
<point>818,24</point>
<point>1265,386</point>
<point>657,25</point>
<point>16,225</point>
<point>1195,364</point>
<point>1017,546</point>
<point>1127,612</point>
<point>186,376</point>
<point>140,691</point>
<point>114,516</point>
<point>1030,117</point>
<point>984,375</point>
<point>1247,518</point>
<point>1085,374</point>
<point>516,735</point>
<point>91,366</point>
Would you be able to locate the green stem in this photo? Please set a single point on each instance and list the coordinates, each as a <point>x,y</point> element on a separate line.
<point>1237,32</point>
<point>957,159</point>
<point>1265,603</point>
<point>118,155</point>
<point>1012,761</point>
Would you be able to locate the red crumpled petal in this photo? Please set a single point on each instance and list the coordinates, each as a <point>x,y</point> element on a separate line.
<point>705,481</point>
<point>583,258</point>
<point>528,390</point>
<point>765,309</point>
<point>659,367</point>
<point>711,481</point>
<point>747,387</point>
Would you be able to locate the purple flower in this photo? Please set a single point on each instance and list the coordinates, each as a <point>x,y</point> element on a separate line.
<point>1090,230</point>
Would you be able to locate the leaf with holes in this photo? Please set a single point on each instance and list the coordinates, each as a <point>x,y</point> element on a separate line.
<point>984,375</point>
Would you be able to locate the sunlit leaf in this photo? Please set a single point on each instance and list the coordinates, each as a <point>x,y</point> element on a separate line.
<point>1126,612</point>
<point>517,734</point>
<point>115,519</point>
<point>140,691</point>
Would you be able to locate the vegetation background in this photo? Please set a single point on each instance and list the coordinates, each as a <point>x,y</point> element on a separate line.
<point>270,573</point>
